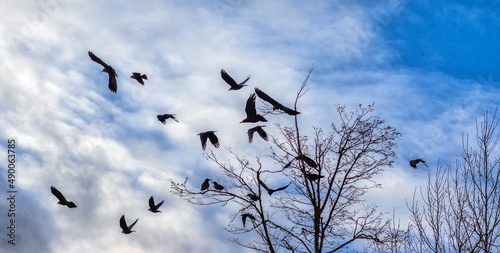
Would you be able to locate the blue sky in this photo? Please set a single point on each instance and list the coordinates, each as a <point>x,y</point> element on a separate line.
<point>430,68</point>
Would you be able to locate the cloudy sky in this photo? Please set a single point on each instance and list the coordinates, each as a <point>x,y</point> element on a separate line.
<point>429,67</point>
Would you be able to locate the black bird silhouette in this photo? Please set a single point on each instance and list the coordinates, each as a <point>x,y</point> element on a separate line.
<point>108,69</point>
<point>251,112</point>
<point>62,199</point>
<point>211,136</point>
<point>413,163</point>
<point>229,80</point>
<point>271,191</point>
<point>164,117</point>
<point>259,130</point>
<point>245,216</point>
<point>140,78</point>
<point>304,158</point>
<point>152,207</point>
<point>312,176</point>
<point>206,184</point>
<point>276,105</point>
<point>253,197</point>
<point>217,186</point>
<point>123,224</point>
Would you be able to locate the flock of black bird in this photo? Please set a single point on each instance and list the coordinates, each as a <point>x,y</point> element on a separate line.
<point>251,117</point>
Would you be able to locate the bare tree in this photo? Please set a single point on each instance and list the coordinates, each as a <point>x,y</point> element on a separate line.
<point>460,211</point>
<point>323,209</point>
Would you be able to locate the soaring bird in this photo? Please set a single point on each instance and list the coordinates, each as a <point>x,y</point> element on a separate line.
<point>108,69</point>
<point>62,199</point>
<point>252,115</point>
<point>211,136</point>
<point>229,80</point>
<point>123,224</point>
<point>139,77</point>
<point>271,191</point>
<point>253,197</point>
<point>259,130</point>
<point>312,176</point>
<point>152,207</point>
<point>413,163</point>
<point>245,216</point>
<point>304,158</point>
<point>205,184</point>
<point>217,186</point>
<point>163,118</point>
<point>276,105</point>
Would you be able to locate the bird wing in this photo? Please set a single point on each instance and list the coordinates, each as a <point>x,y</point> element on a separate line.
<point>162,118</point>
<point>98,60</point>
<point>112,85</point>
<point>250,134</point>
<point>123,223</point>
<point>262,133</point>
<point>244,218</point>
<point>172,116</point>
<point>151,203</point>
<point>423,162</point>
<point>133,224</point>
<point>203,138</point>
<point>267,98</point>
<point>250,107</point>
<point>58,194</point>
<point>283,187</point>
<point>228,79</point>
<point>307,160</point>
<point>274,103</point>
<point>159,204</point>
<point>262,183</point>
<point>241,84</point>
<point>214,140</point>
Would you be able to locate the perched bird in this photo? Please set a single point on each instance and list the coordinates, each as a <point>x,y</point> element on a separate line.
<point>413,163</point>
<point>108,69</point>
<point>139,77</point>
<point>210,135</point>
<point>276,105</point>
<point>245,216</point>
<point>229,80</point>
<point>217,186</point>
<point>271,191</point>
<point>253,196</point>
<point>205,185</point>
<point>259,130</point>
<point>312,177</point>
<point>163,118</point>
<point>123,224</point>
<point>152,207</point>
<point>304,158</point>
<point>62,199</point>
<point>251,112</point>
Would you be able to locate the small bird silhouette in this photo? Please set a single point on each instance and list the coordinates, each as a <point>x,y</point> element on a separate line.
<point>152,207</point>
<point>259,130</point>
<point>112,85</point>
<point>211,136</point>
<point>217,186</point>
<point>413,163</point>
<point>123,224</point>
<point>245,216</point>
<point>140,78</point>
<point>163,118</point>
<point>251,112</point>
<point>271,191</point>
<point>229,80</point>
<point>276,105</point>
<point>253,197</point>
<point>206,184</point>
<point>312,176</point>
<point>62,199</point>
<point>304,158</point>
